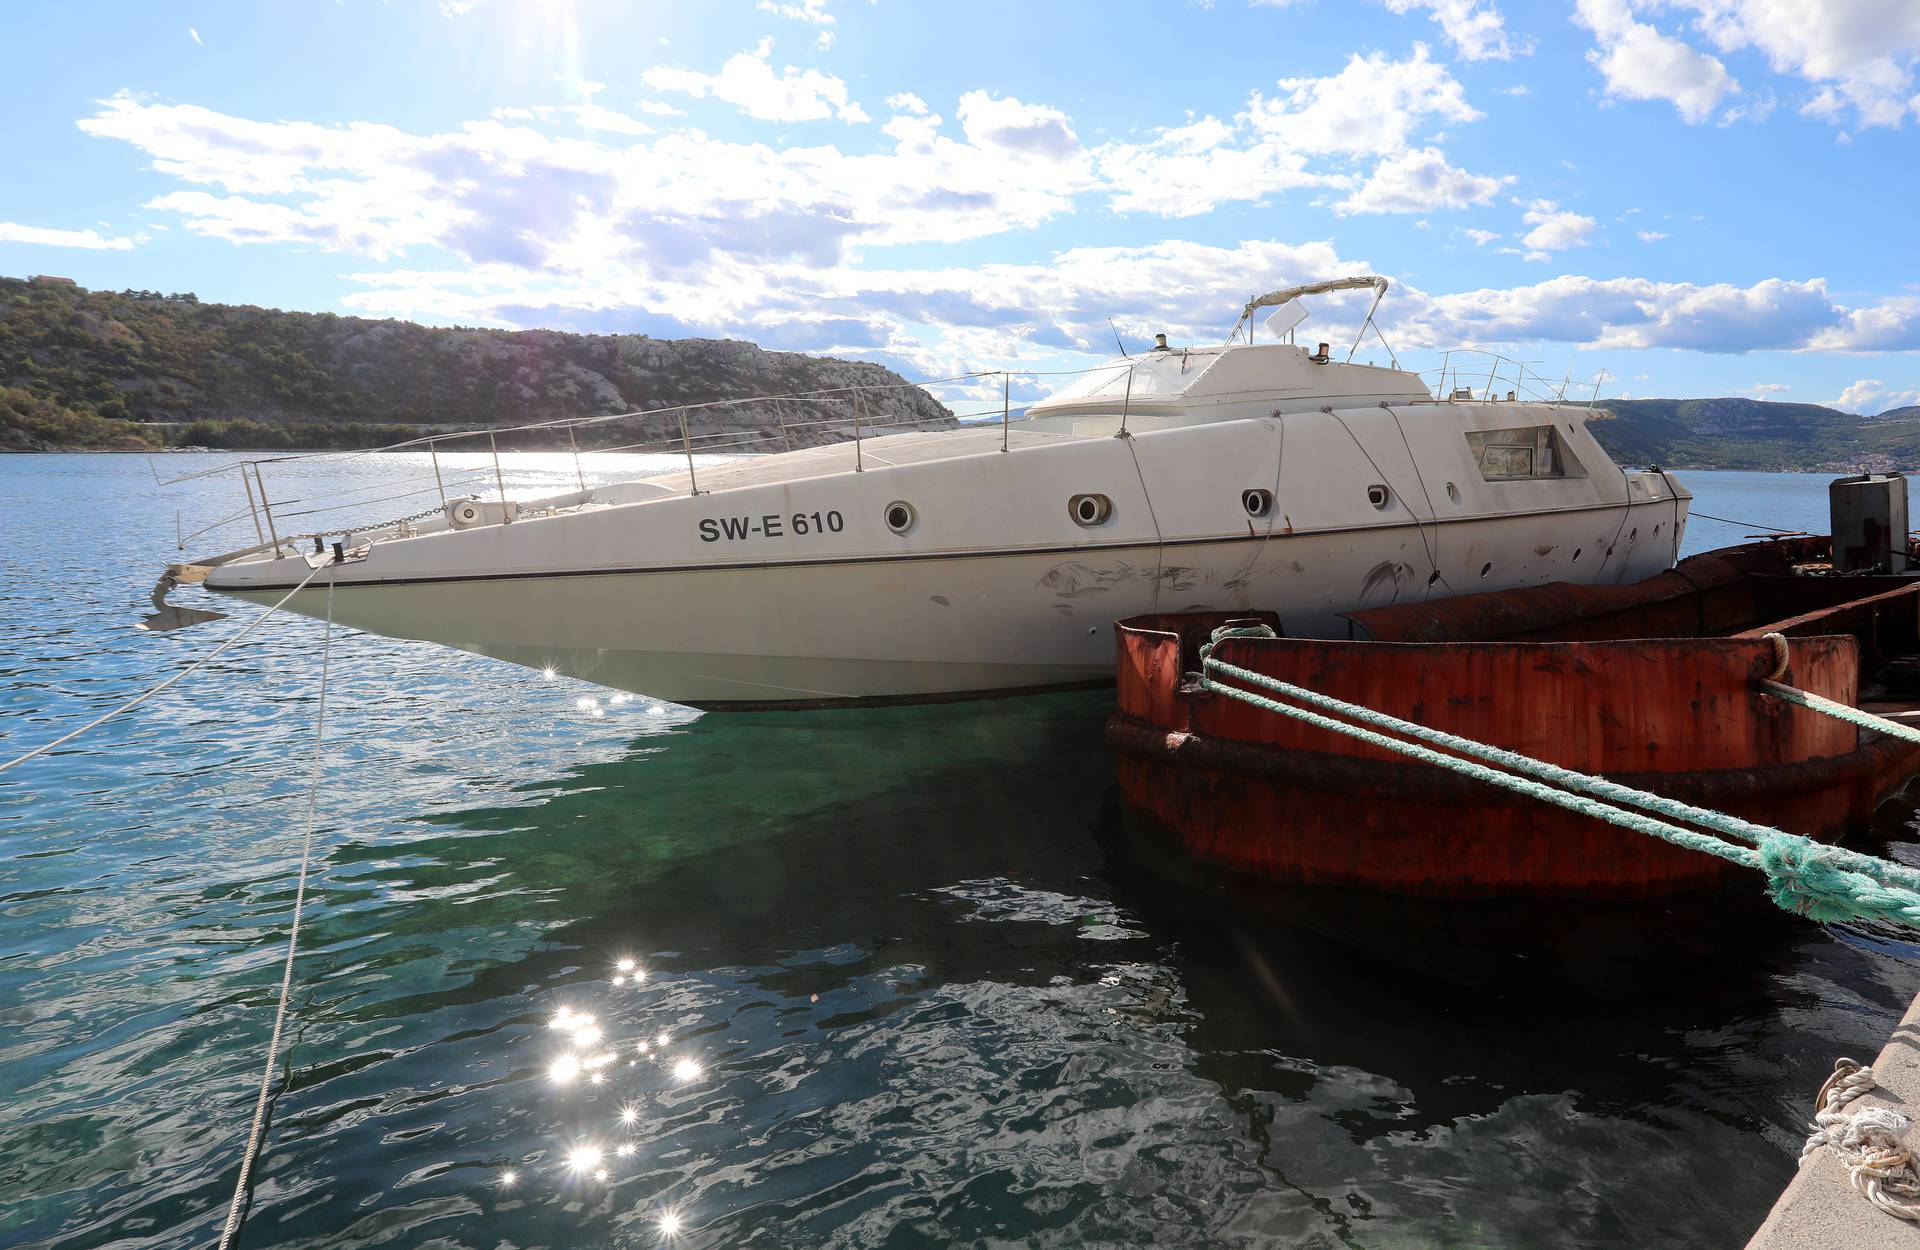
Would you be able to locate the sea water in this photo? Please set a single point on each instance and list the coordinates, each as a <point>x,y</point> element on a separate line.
<point>581,969</point>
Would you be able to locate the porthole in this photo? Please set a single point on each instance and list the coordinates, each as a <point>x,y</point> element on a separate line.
<point>1453,492</point>
<point>1633,535</point>
<point>1486,568</point>
<point>1576,554</point>
<point>1433,577</point>
<point>1257,502</point>
<point>1379,496</point>
<point>899,516</point>
<point>1090,509</point>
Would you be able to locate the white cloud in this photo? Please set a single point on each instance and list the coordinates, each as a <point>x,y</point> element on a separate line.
<point>1020,130</point>
<point>997,313</point>
<point>1480,237</point>
<point>1768,388</point>
<point>1554,228</point>
<point>907,102</point>
<point>1870,397</point>
<point>531,221</point>
<point>587,115</point>
<point>748,82</point>
<point>1418,181</point>
<point>196,36</point>
<point>46,236</point>
<point>1311,134</point>
<point>814,11</point>
<point>1640,63</point>
<point>660,108</point>
<point>1861,53</point>
<point>1518,89</point>
<point>1893,325</point>
<point>1373,106</point>
<point>1632,313</point>
<point>1191,169</point>
<point>1475,28</point>
<point>1651,236</point>
<point>509,191</point>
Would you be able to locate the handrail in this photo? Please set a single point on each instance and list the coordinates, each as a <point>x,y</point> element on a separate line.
<point>715,442</point>
<point>845,411</point>
<point>1549,390</point>
<point>1358,282</point>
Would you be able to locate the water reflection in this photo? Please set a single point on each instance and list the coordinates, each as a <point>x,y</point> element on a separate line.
<point>905,1043</point>
<point>922,998</point>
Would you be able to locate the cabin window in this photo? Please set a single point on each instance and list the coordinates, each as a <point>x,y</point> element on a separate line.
<point>1510,455</point>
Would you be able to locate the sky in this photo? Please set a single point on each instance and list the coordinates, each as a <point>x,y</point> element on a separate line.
<point>1664,197</point>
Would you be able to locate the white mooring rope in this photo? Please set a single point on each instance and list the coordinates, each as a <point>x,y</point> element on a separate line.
<point>188,671</point>
<point>1868,1143</point>
<point>234,1217</point>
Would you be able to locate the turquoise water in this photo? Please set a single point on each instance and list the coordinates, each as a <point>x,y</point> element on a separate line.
<point>908,992</point>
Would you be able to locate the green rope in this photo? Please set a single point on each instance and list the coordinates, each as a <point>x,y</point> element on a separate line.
<point>1852,715</point>
<point>1824,883</point>
<point>1883,871</point>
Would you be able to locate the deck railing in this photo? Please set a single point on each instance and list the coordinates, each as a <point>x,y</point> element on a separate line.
<point>1482,374</point>
<point>846,418</point>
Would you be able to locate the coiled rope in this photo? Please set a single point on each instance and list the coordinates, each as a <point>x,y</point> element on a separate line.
<point>235,1212</point>
<point>184,673</point>
<point>1868,1143</point>
<point>1809,878</point>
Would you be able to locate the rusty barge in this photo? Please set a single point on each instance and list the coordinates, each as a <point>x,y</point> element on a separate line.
<point>1654,684</point>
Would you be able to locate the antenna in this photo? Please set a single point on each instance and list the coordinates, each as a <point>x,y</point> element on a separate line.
<point>1116,338</point>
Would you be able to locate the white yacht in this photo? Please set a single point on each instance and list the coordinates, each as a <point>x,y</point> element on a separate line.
<point>992,559</point>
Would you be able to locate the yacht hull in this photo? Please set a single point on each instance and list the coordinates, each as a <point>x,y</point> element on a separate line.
<point>931,627</point>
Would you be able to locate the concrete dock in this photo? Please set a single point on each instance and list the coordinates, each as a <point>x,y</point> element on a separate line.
<point>1819,1208</point>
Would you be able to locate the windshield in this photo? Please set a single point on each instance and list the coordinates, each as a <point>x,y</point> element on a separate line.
<point>1155,376</point>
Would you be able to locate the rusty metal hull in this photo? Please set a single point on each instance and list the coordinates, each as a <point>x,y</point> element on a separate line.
<point>1680,716</point>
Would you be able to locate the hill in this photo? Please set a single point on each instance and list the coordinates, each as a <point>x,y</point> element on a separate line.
<point>1756,434</point>
<point>132,369</point>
